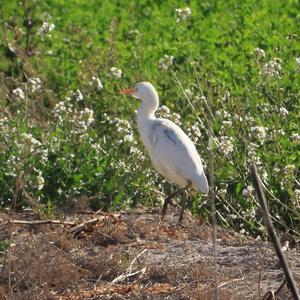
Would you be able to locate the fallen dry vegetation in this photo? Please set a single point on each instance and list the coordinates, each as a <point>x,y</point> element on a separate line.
<point>128,255</point>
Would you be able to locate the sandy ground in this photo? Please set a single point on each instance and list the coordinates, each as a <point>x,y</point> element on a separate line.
<point>129,255</point>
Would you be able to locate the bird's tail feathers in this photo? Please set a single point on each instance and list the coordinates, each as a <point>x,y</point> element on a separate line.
<point>202,184</point>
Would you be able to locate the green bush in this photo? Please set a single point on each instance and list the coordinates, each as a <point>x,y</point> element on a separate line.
<point>66,132</point>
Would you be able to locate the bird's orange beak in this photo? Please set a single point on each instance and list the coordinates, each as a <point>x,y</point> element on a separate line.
<point>129,91</point>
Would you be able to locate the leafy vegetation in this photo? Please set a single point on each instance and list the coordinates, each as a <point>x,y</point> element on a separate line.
<point>4,245</point>
<point>66,132</point>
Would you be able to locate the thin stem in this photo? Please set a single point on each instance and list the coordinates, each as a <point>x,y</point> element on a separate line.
<point>213,207</point>
<point>205,101</point>
<point>9,264</point>
<point>3,24</point>
<point>27,20</point>
<point>188,99</point>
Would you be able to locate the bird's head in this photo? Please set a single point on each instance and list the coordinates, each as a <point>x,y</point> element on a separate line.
<point>144,91</point>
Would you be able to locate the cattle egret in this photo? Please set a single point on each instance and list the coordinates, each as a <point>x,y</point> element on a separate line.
<point>172,152</point>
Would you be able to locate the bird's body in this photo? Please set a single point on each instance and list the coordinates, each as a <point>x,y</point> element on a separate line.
<point>172,152</point>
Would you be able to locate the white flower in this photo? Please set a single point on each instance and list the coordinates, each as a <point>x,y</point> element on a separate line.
<point>124,130</point>
<point>260,133</point>
<point>226,145</point>
<point>4,123</point>
<point>297,59</point>
<point>260,53</point>
<point>289,173</point>
<point>188,92</point>
<point>243,231</point>
<point>164,110</point>
<point>226,114</point>
<point>296,198</point>
<point>87,115</point>
<point>80,120</point>
<point>183,14</point>
<point>226,124</point>
<point>218,113</point>
<point>115,72</point>
<point>97,82</point>
<point>40,181</point>
<point>59,108</point>
<point>238,117</point>
<point>280,132</point>
<point>272,68</point>
<point>249,119</point>
<point>289,170</point>
<point>253,158</point>
<point>18,93</point>
<point>45,28</point>
<point>128,138</point>
<point>35,84</point>
<point>222,192</point>
<point>176,117</point>
<point>166,62</point>
<point>226,96</point>
<point>32,144</point>
<point>283,111</point>
<point>295,137</point>
<point>196,130</point>
<point>136,152</point>
<point>248,191</point>
<point>29,139</point>
<point>78,95</point>
<point>133,33</point>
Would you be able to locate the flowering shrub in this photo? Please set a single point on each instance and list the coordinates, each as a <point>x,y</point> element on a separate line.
<point>183,14</point>
<point>66,132</point>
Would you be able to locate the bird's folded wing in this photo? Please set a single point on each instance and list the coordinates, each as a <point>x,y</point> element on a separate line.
<point>174,147</point>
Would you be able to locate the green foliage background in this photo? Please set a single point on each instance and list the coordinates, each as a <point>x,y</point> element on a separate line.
<point>214,56</point>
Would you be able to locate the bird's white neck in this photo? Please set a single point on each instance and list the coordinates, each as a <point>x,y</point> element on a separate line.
<point>147,110</point>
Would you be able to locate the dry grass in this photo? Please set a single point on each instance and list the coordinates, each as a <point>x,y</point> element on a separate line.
<point>148,260</point>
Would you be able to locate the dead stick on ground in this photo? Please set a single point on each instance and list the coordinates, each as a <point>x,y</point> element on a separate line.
<point>83,225</point>
<point>38,222</point>
<point>231,281</point>
<point>271,231</point>
<point>128,273</point>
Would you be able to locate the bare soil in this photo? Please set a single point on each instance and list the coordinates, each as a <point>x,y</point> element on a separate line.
<point>129,255</point>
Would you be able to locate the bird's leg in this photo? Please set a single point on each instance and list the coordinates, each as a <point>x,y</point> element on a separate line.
<point>168,199</point>
<point>185,198</point>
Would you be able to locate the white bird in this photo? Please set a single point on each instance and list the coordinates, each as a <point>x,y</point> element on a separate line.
<point>172,152</point>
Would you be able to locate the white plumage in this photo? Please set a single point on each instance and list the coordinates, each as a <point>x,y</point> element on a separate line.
<point>172,152</point>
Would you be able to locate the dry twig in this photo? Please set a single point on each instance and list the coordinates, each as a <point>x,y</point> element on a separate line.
<point>272,233</point>
<point>83,226</point>
<point>128,273</point>
<point>38,222</point>
<point>231,281</point>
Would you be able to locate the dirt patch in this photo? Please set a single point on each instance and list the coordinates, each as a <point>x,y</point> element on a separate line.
<point>129,255</point>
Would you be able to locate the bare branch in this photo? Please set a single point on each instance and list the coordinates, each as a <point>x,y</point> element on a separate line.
<point>271,231</point>
<point>38,222</point>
